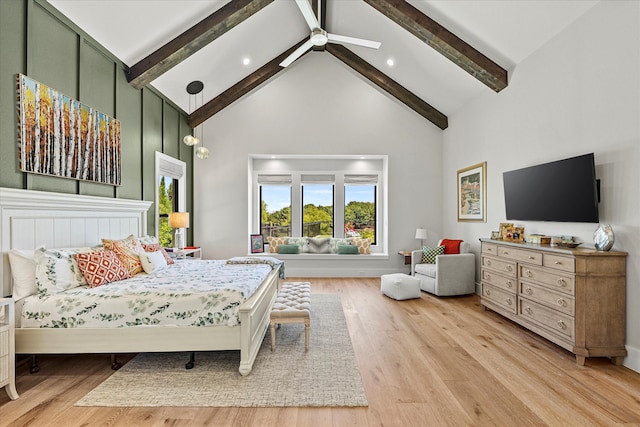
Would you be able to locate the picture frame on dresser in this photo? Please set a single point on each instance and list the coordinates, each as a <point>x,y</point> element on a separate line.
<point>472,197</point>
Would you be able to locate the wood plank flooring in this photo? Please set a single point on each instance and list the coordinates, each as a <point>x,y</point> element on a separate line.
<point>424,362</point>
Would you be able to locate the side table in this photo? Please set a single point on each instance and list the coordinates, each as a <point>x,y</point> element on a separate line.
<point>407,256</point>
<point>186,253</point>
<point>8,347</point>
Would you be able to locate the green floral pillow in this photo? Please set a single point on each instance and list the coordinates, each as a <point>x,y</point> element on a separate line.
<point>429,254</point>
<point>57,270</point>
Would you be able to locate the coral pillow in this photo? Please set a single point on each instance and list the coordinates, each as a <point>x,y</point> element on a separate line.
<point>101,267</point>
<point>127,250</point>
<point>155,247</point>
<point>451,246</point>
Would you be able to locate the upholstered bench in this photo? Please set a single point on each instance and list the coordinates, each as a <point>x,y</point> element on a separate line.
<point>292,305</point>
<point>400,286</point>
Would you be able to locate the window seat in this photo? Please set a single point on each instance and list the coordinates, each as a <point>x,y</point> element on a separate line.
<point>327,257</point>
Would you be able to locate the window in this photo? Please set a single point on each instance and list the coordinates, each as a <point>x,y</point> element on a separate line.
<point>170,194</point>
<point>315,195</point>
<point>275,210</point>
<point>360,210</point>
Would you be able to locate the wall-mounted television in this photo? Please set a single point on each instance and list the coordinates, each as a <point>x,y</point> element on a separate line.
<point>563,191</point>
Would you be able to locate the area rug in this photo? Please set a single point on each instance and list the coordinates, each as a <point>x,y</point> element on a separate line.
<point>326,375</point>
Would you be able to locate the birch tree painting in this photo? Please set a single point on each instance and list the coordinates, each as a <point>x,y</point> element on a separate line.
<point>62,137</point>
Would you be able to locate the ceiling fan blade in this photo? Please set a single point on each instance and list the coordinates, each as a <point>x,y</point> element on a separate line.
<point>296,53</point>
<point>334,38</point>
<point>307,12</point>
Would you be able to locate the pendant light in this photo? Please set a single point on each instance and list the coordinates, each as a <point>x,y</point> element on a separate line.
<point>193,89</point>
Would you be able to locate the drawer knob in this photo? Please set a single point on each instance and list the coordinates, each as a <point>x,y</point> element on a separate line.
<point>562,282</point>
<point>532,257</point>
<point>488,262</point>
<point>562,302</point>
<point>529,291</point>
<point>506,253</point>
<point>487,275</point>
<point>558,263</point>
<point>528,310</point>
<point>561,324</point>
<point>487,292</point>
<point>529,273</point>
<point>509,268</point>
<point>509,284</point>
<point>508,301</point>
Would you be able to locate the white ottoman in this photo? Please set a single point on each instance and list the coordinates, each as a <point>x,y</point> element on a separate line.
<point>400,286</point>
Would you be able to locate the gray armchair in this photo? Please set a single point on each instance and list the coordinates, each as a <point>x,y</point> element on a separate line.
<point>452,274</point>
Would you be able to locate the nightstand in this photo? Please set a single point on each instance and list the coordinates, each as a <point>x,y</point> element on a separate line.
<point>7,347</point>
<point>193,253</point>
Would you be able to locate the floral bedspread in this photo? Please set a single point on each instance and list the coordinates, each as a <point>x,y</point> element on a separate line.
<point>187,293</point>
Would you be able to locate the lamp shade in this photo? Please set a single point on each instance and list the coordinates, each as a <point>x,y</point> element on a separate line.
<point>179,220</point>
<point>421,234</point>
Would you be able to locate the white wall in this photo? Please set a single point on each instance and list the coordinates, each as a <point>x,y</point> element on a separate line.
<point>318,106</point>
<point>579,93</point>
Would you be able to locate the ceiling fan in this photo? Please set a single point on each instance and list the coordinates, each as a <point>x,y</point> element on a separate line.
<point>320,37</point>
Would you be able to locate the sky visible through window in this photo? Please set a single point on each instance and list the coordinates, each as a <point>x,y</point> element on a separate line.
<point>279,196</point>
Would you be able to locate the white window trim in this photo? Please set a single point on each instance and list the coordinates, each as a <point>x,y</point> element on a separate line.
<point>281,165</point>
<point>176,169</point>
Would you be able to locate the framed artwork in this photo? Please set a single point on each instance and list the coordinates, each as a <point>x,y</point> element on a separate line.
<point>257,243</point>
<point>62,137</point>
<point>502,234</point>
<point>472,197</point>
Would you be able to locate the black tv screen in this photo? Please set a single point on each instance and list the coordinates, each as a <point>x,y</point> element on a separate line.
<point>563,191</point>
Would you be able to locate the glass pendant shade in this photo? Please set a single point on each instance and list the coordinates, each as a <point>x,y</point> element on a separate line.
<point>191,140</point>
<point>202,152</point>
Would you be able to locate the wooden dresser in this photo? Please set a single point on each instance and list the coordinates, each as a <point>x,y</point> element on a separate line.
<point>573,297</point>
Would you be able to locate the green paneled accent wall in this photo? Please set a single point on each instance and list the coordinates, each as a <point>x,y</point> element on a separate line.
<point>37,40</point>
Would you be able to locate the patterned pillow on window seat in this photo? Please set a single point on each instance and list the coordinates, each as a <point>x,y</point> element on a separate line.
<point>274,242</point>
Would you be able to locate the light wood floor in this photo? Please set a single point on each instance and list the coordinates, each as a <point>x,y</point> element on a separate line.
<point>425,362</point>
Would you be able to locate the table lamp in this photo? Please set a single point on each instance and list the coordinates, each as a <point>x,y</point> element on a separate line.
<point>178,221</point>
<point>421,234</point>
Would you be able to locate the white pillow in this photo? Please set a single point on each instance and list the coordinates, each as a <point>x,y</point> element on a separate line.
<point>23,271</point>
<point>152,261</point>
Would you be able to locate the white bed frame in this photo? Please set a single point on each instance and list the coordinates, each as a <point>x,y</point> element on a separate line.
<point>31,218</point>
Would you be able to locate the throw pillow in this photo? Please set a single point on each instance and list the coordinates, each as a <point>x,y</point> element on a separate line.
<point>302,242</point>
<point>429,254</point>
<point>288,249</point>
<point>319,245</point>
<point>128,251</point>
<point>334,243</point>
<point>364,245</point>
<point>348,250</point>
<point>23,271</point>
<point>274,242</point>
<point>57,270</point>
<point>450,246</point>
<point>152,261</point>
<point>147,240</point>
<point>101,267</point>
<point>155,247</point>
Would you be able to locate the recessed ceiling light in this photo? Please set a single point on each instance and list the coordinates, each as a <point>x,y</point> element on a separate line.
<point>390,62</point>
<point>246,61</point>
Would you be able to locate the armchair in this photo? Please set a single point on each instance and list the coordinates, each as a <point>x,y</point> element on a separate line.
<point>452,274</point>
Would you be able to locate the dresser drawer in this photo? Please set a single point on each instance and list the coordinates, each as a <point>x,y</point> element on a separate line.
<point>504,299</point>
<point>545,296</point>
<point>562,282</point>
<point>554,321</point>
<point>498,265</point>
<point>530,257</point>
<point>489,249</point>
<point>559,262</point>
<point>498,280</point>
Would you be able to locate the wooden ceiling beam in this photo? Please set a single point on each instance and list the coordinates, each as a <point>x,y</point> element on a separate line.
<point>192,40</point>
<point>389,85</point>
<point>443,41</point>
<point>241,88</point>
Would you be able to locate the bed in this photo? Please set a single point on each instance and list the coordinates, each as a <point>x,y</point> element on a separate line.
<point>30,218</point>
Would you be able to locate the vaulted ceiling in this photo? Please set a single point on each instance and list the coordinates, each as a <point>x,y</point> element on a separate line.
<point>444,53</point>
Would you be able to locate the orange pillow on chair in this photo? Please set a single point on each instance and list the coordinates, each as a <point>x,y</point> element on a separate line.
<point>451,246</point>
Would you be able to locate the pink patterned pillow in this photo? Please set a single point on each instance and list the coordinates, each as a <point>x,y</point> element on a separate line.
<point>127,250</point>
<point>155,247</point>
<point>101,267</point>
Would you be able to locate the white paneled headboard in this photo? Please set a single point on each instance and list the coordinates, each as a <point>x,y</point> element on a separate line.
<point>32,218</point>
